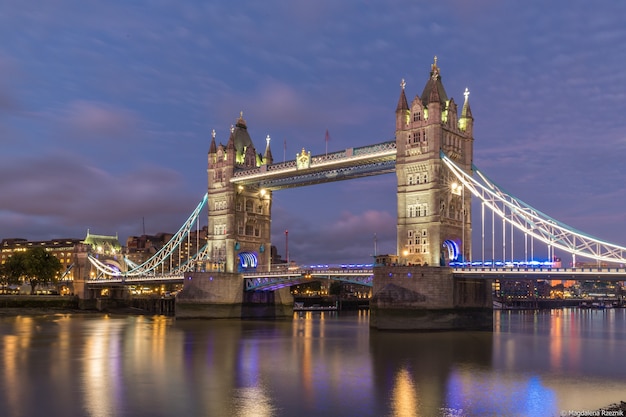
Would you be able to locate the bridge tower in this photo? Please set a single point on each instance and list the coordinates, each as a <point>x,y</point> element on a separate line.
<point>239,217</point>
<point>434,211</point>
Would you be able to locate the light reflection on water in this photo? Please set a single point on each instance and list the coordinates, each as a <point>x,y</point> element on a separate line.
<point>533,364</point>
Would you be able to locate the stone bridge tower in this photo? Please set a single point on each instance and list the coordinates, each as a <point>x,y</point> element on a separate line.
<point>434,211</point>
<point>239,217</point>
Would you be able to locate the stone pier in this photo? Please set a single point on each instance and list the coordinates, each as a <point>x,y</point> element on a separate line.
<point>218,295</point>
<point>429,299</point>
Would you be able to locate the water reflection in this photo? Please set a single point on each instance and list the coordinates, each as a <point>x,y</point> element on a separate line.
<point>404,396</point>
<point>420,365</point>
<point>534,363</point>
<point>473,393</point>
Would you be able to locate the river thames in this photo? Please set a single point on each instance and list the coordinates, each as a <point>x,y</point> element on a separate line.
<point>534,363</point>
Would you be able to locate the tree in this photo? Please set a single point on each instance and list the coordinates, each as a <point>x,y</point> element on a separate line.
<point>334,288</point>
<point>41,267</point>
<point>14,269</point>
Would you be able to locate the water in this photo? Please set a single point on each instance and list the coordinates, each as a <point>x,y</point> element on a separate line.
<point>318,364</point>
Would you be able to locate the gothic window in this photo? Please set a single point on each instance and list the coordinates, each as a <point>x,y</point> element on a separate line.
<point>249,230</point>
<point>249,206</point>
<point>410,179</point>
<point>417,116</point>
<point>425,178</point>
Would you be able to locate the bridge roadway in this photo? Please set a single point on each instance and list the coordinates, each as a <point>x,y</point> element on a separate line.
<point>268,281</point>
<point>273,280</point>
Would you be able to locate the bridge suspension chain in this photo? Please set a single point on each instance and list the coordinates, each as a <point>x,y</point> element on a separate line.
<point>533,222</point>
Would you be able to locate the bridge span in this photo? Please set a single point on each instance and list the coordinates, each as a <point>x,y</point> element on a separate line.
<point>270,281</point>
<point>565,274</point>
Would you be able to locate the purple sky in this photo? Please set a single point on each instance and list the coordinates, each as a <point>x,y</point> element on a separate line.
<point>106,108</point>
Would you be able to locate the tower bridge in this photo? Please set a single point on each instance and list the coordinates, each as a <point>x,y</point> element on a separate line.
<point>432,157</point>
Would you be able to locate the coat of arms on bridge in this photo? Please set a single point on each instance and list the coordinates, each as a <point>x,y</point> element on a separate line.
<point>303,160</point>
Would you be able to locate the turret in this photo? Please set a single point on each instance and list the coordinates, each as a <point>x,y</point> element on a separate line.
<point>212,147</point>
<point>466,121</point>
<point>402,110</point>
<point>434,95</point>
<point>212,150</point>
<point>267,156</point>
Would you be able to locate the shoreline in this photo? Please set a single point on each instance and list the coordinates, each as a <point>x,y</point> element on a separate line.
<point>49,311</point>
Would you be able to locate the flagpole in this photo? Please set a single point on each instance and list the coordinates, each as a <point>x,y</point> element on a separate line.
<point>326,140</point>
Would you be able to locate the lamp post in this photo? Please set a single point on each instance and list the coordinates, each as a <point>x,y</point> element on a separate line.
<point>287,247</point>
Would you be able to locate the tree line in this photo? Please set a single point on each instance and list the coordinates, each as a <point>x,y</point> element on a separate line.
<point>35,266</point>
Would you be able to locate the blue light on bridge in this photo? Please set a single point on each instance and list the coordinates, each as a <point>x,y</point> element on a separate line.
<point>507,264</point>
<point>453,249</point>
<point>248,260</point>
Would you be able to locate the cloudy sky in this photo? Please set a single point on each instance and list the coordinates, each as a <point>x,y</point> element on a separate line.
<point>106,108</point>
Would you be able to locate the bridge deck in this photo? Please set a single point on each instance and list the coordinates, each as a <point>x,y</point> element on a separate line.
<point>363,276</point>
<point>576,274</point>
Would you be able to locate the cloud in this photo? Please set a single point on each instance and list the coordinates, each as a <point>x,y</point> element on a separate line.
<point>89,119</point>
<point>10,77</point>
<point>346,237</point>
<point>43,195</point>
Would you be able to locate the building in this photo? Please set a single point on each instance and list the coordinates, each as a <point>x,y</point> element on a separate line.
<point>141,248</point>
<point>239,217</point>
<point>62,249</point>
<point>434,211</point>
<point>101,246</point>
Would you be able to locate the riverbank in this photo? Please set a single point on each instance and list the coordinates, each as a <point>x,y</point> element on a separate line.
<point>32,305</point>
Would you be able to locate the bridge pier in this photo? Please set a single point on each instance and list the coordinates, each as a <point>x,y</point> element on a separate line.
<point>219,295</point>
<point>426,298</point>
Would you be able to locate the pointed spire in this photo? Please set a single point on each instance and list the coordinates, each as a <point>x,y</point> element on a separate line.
<point>267,157</point>
<point>213,147</point>
<point>466,112</point>
<point>433,90</point>
<point>402,103</point>
<point>231,139</point>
